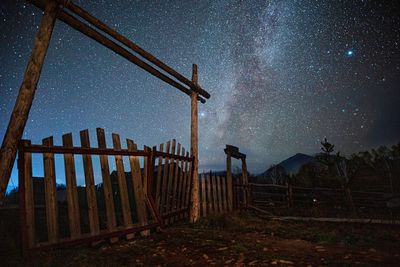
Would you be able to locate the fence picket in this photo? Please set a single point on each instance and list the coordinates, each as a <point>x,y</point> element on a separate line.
<point>138,187</point>
<point>123,191</point>
<point>170,180</point>
<point>219,194</point>
<point>224,202</point>
<point>209,198</point>
<point>175,182</point>
<point>214,193</point>
<point>188,181</point>
<point>164,194</point>
<point>159,182</point>
<point>203,195</point>
<point>180,185</point>
<point>90,186</point>
<point>29,198</point>
<point>107,186</point>
<point>72,193</point>
<point>50,193</point>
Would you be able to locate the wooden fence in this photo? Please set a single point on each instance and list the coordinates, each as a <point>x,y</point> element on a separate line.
<point>125,202</point>
<point>216,195</point>
<point>267,196</point>
<point>174,174</point>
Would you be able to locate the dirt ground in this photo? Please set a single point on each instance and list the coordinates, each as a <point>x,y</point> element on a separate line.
<point>240,240</point>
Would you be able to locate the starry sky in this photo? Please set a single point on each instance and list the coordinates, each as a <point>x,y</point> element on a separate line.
<point>282,76</point>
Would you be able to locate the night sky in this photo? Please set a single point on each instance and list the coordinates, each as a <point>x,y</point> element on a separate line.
<point>282,76</point>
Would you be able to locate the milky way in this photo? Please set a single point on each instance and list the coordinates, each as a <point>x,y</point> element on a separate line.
<point>282,75</point>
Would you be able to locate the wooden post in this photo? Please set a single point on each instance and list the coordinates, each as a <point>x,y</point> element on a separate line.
<point>229,182</point>
<point>25,97</point>
<point>194,200</point>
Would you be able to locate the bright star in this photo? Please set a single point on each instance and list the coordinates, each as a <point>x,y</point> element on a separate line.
<point>349,53</point>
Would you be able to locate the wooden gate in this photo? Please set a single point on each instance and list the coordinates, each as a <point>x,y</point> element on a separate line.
<point>215,194</point>
<point>123,204</point>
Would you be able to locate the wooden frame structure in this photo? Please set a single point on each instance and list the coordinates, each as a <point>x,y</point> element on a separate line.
<point>241,190</point>
<point>84,22</point>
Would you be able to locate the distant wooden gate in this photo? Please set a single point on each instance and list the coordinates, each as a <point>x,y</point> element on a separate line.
<point>214,194</point>
<point>124,203</point>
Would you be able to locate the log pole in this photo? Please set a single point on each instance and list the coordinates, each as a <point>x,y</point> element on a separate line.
<point>118,49</point>
<point>25,97</point>
<point>103,27</point>
<point>194,203</point>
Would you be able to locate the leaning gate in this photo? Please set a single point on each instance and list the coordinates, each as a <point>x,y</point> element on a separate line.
<point>154,192</point>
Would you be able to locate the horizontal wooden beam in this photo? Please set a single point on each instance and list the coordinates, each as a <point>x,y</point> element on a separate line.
<point>103,27</point>
<point>102,39</point>
<point>233,151</point>
<point>81,150</point>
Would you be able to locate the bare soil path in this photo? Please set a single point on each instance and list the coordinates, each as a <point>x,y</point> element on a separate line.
<point>244,240</point>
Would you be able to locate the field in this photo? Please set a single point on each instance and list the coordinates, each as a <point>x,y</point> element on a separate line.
<point>242,239</point>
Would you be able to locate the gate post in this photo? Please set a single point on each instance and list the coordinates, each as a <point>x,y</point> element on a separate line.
<point>243,192</point>
<point>25,97</point>
<point>194,214</point>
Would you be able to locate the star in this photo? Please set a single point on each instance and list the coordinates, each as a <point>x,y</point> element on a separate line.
<point>349,53</point>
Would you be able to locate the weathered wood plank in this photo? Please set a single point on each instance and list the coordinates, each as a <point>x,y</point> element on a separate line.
<point>50,193</point>
<point>189,167</point>
<point>219,194</point>
<point>229,183</point>
<point>170,180</point>
<point>203,195</point>
<point>175,182</point>
<point>224,201</point>
<point>145,184</point>
<point>214,193</point>
<point>181,182</point>
<point>123,188</point>
<point>29,199</point>
<point>107,186</point>
<point>164,194</point>
<point>90,186</point>
<point>209,196</point>
<point>159,176</point>
<point>72,193</point>
<point>194,214</point>
<point>247,194</point>
<point>138,188</point>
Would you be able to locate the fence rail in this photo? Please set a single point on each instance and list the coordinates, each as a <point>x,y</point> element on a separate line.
<point>270,195</point>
